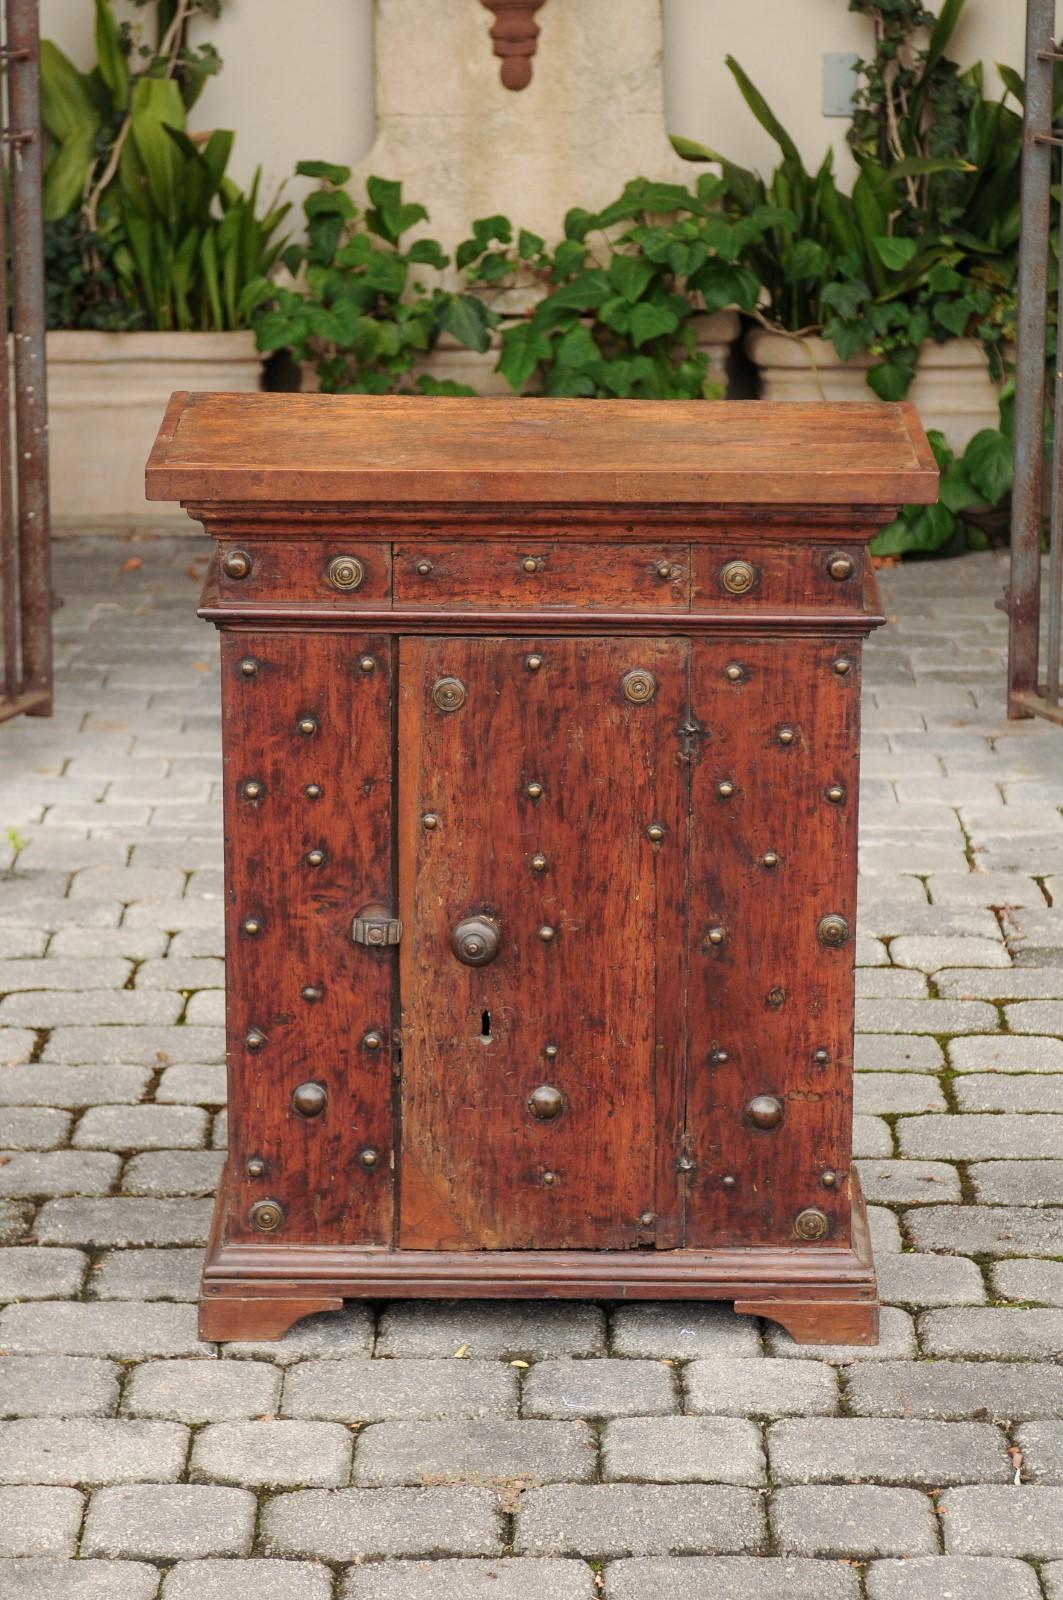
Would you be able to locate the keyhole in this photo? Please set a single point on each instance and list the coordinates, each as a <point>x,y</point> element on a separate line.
<point>485,1027</point>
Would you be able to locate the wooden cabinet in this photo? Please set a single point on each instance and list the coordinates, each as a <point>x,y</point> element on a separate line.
<point>541,729</point>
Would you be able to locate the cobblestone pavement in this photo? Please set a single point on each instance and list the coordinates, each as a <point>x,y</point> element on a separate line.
<point>573,1450</point>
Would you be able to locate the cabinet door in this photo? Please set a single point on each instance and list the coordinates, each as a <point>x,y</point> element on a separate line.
<point>773,853</point>
<point>308,826</point>
<point>540,1090</point>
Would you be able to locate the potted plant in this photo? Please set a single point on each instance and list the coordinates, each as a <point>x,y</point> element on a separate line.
<point>150,249</point>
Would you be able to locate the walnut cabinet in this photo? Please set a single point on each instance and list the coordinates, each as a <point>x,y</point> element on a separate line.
<point>541,734</point>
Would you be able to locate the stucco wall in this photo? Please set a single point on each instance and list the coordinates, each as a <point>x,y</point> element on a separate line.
<point>297,79</point>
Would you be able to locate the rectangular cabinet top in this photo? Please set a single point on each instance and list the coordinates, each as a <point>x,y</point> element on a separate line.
<point>315,448</point>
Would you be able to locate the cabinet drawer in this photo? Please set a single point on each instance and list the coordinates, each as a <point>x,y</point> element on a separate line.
<point>539,573</point>
<point>347,572</point>
<point>776,576</point>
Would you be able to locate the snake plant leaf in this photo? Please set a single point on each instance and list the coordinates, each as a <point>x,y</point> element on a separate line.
<point>157,107</point>
<point>1013,82</point>
<point>66,99</point>
<point>110,57</point>
<point>763,112</point>
<point>941,33</point>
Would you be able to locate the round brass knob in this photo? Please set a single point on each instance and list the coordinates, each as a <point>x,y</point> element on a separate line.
<point>547,934</point>
<point>369,1158</point>
<point>639,686</point>
<point>249,666</point>
<point>311,993</point>
<point>251,926</point>
<point>770,858</point>
<point>315,858</point>
<point>738,577</point>
<point>725,789</point>
<point>236,564</point>
<point>828,1179</point>
<point>765,1111</point>
<point>367,663</point>
<point>310,1099</point>
<point>717,935</point>
<point>821,1058</point>
<point>256,1167</point>
<point>530,564</point>
<point>729,1180</point>
<point>534,791</point>
<point>840,566</point>
<point>538,862</point>
<point>430,822</point>
<point>836,794</point>
<point>833,931</point>
<point>842,666</point>
<point>267,1215</point>
<point>373,1040</point>
<point>665,569</point>
<point>785,734</point>
<point>307,726</point>
<point>252,789</point>
<point>449,694</point>
<point>425,569</point>
<point>546,1102</point>
<point>253,1039</point>
<point>533,662</point>
<point>734,672</point>
<point>313,791</point>
<point>655,832</point>
<point>346,573</point>
<point>811,1223</point>
<point>551,1052</point>
<point>476,940</point>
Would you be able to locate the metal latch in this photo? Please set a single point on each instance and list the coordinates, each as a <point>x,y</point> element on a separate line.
<point>376,931</point>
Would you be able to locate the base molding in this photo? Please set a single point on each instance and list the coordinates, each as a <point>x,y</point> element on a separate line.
<point>821,1294</point>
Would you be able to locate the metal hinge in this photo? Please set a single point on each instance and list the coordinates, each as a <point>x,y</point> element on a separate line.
<point>376,931</point>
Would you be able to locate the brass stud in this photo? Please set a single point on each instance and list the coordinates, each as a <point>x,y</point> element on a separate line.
<point>547,934</point>
<point>531,564</point>
<point>551,1052</point>
<point>734,672</point>
<point>719,1058</point>
<point>367,664</point>
<point>534,791</point>
<point>828,1179</point>
<point>836,794</point>
<point>538,862</point>
<point>638,686</point>
<point>821,1057</point>
<point>729,1180</point>
<point>725,789</point>
<point>549,1178</point>
<point>425,569</point>
<point>310,1099</point>
<point>811,1223</point>
<point>545,1103</point>
<point>430,822</point>
<point>833,931</point>
<point>249,666</point>
<point>449,694</point>
<point>315,858</point>
<point>647,1219</point>
<point>252,789</point>
<point>307,726</point>
<point>256,1167</point>
<point>236,564</point>
<point>738,577</point>
<point>785,734</point>
<point>313,791</point>
<point>684,1164</point>
<point>533,662</point>
<point>776,998</point>
<point>655,832</point>
<point>842,666</point>
<point>373,1040</point>
<point>267,1215</point>
<point>665,569</point>
<point>311,993</point>
<point>717,935</point>
<point>345,573</point>
<point>770,858</point>
<point>254,1039</point>
<point>251,926</point>
<point>765,1111</point>
<point>369,1158</point>
<point>840,566</point>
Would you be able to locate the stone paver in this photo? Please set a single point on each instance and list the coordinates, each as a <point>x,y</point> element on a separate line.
<point>463,1427</point>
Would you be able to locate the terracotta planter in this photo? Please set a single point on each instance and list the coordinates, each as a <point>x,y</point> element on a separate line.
<point>716,334</point>
<point>952,389</point>
<point>106,396</point>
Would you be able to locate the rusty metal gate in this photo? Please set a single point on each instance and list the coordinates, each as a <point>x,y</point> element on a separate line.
<point>25,563</point>
<point>1030,585</point>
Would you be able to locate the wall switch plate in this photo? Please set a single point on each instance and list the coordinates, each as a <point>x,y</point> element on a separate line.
<point>840,83</point>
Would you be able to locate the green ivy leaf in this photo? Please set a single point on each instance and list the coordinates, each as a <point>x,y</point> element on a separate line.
<point>578,223</point>
<point>577,348</point>
<point>630,276</point>
<point>807,259</point>
<point>650,321</point>
<point>954,315</point>
<point>988,463</point>
<point>529,245</point>
<point>445,386</point>
<point>523,347</point>
<point>894,253</point>
<point>324,170</point>
<point>466,319</point>
<point>890,380</point>
<point>917,528</point>
<point>569,257</point>
<point>427,253</point>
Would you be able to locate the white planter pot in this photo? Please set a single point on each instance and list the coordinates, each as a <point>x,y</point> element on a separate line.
<point>107,393</point>
<point>451,360</point>
<point>952,390</point>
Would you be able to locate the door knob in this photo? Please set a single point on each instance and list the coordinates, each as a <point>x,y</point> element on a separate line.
<point>476,940</point>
